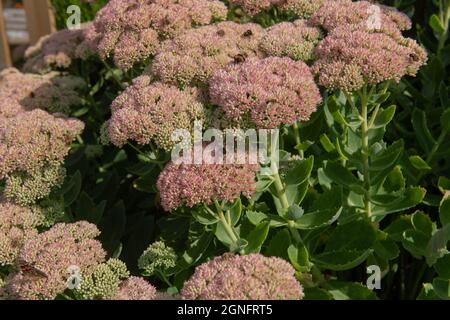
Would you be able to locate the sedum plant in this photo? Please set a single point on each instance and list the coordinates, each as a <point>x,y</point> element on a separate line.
<point>94,206</point>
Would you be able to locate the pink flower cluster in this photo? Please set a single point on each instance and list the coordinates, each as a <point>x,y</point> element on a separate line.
<point>252,277</point>
<point>150,112</point>
<point>33,145</point>
<point>336,13</point>
<point>130,29</point>
<point>301,8</point>
<point>136,288</point>
<point>193,56</point>
<point>23,92</point>
<point>53,252</point>
<point>193,184</point>
<point>17,224</point>
<point>271,91</point>
<point>350,57</point>
<point>33,139</point>
<point>295,40</point>
<point>56,51</point>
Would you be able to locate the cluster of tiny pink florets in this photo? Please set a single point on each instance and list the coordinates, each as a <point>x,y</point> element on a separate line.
<point>23,92</point>
<point>17,224</point>
<point>33,145</point>
<point>150,112</point>
<point>192,57</point>
<point>53,252</point>
<point>271,91</point>
<point>130,30</point>
<point>350,57</point>
<point>301,8</point>
<point>337,13</point>
<point>193,184</point>
<point>136,288</point>
<point>296,40</point>
<point>252,277</point>
<point>57,50</point>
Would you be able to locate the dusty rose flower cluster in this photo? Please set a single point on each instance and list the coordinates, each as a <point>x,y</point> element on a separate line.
<point>350,57</point>
<point>17,224</point>
<point>336,13</point>
<point>53,252</point>
<point>193,56</point>
<point>271,91</point>
<point>136,288</point>
<point>295,40</point>
<point>150,112</point>
<point>56,50</point>
<point>301,8</point>
<point>33,145</point>
<point>193,184</point>
<point>252,277</point>
<point>23,92</point>
<point>130,30</point>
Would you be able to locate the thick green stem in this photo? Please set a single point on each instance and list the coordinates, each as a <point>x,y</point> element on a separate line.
<point>365,150</point>
<point>444,15</point>
<point>227,226</point>
<point>281,194</point>
<point>279,187</point>
<point>298,140</point>
<point>377,107</point>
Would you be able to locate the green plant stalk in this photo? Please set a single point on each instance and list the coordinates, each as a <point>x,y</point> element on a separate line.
<point>365,152</point>
<point>226,224</point>
<point>298,140</point>
<point>280,189</point>
<point>279,186</point>
<point>444,15</point>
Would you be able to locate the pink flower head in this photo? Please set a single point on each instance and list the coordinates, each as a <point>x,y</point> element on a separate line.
<point>192,57</point>
<point>253,7</point>
<point>193,184</point>
<point>56,50</point>
<point>301,8</point>
<point>17,224</point>
<point>350,57</point>
<point>295,40</point>
<point>147,112</point>
<point>53,252</point>
<point>136,288</point>
<point>337,13</point>
<point>130,29</point>
<point>34,139</point>
<point>52,92</point>
<point>271,91</point>
<point>33,145</point>
<point>252,277</point>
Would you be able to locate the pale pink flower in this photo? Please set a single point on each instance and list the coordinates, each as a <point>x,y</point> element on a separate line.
<point>129,30</point>
<point>270,92</point>
<point>295,40</point>
<point>235,277</point>
<point>193,56</point>
<point>193,184</point>
<point>350,57</point>
<point>53,252</point>
<point>150,112</point>
<point>17,224</point>
<point>135,288</point>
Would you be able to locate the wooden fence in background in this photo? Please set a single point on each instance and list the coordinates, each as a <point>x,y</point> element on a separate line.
<point>40,21</point>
